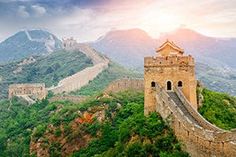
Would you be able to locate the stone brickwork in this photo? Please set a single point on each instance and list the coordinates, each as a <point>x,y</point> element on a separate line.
<point>34,91</point>
<point>200,138</point>
<point>125,84</point>
<point>169,69</point>
<point>71,98</point>
<point>81,78</point>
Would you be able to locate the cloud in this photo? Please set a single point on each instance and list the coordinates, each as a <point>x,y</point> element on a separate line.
<point>22,12</point>
<point>89,19</point>
<point>9,1</point>
<point>38,10</point>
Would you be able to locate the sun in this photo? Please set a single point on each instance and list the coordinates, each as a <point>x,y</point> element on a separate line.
<point>155,21</point>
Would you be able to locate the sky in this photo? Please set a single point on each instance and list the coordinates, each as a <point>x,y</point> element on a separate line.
<point>87,20</point>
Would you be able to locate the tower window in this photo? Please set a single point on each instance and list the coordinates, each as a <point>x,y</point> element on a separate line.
<point>180,84</point>
<point>169,85</point>
<point>153,84</point>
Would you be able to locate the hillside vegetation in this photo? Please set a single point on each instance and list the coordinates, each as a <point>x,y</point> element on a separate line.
<point>113,72</point>
<point>109,126</point>
<point>219,109</point>
<point>48,69</point>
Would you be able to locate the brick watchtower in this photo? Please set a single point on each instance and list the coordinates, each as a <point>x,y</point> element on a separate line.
<point>170,68</point>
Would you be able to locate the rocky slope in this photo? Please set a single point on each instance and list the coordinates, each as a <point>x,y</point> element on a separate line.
<point>103,125</point>
<point>27,43</point>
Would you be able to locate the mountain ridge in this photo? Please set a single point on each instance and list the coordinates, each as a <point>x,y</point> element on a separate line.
<point>209,53</point>
<point>26,43</point>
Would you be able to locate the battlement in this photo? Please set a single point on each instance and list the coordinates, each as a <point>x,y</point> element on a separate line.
<point>68,43</point>
<point>125,84</point>
<point>168,61</point>
<point>37,90</point>
<point>27,85</point>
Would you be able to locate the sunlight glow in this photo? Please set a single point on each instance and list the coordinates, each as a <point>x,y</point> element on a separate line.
<point>156,21</point>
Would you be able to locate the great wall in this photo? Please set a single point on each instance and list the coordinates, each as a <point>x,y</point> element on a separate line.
<point>170,89</point>
<point>68,84</point>
<point>81,78</point>
<point>173,96</point>
<point>199,137</point>
<point>125,84</point>
<point>29,92</point>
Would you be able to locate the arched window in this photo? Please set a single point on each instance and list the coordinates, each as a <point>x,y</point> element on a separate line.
<point>153,84</point>
<point>169,85</point>
<point>180,84</point>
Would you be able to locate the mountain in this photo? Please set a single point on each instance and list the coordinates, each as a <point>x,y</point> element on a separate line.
<point>221,79</point>
<point>127,47</point>
<point>27,43</point>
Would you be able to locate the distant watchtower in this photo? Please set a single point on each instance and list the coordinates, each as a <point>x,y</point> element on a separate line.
<point>169,69</point>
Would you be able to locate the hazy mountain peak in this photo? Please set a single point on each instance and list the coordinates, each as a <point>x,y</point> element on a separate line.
<point>27,43</point>
<point>183,34</point>
<point>132,34</point>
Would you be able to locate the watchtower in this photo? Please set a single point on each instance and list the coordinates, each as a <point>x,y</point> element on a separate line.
<point>170,68</point>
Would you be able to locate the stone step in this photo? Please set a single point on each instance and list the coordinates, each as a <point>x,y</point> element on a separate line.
<point>178,102</point>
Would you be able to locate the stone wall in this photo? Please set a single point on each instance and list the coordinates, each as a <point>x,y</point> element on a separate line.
<point>125,84</point>
<point>81,78</point>
<point>35,91</point>
<point>78,80</point>
<point>200,140</point>
<point>74,99</point>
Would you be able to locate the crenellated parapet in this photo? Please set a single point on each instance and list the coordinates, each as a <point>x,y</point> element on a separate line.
<point>34,90</point>
<point>125,84</point>
<point>168,61</point>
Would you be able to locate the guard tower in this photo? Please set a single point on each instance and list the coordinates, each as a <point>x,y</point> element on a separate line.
<point>170,69</point>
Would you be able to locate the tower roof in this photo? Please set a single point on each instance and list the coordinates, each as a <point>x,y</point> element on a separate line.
<point>171,44</point>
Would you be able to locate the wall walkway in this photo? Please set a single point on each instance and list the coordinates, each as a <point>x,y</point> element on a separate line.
<point>200,138</point>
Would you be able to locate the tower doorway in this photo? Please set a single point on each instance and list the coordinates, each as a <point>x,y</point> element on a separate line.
<point>169,85</point>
